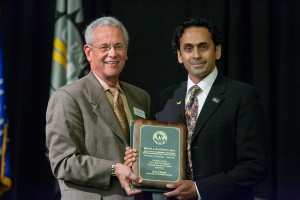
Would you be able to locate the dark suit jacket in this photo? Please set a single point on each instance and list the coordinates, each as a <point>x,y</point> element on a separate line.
<point>228,141</point>
<point>84,138</point>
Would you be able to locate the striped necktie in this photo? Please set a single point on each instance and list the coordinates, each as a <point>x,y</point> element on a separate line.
<point>191,114</point>
<point>120,111</point>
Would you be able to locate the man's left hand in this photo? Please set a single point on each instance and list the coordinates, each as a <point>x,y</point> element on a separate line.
<point>184,189</point>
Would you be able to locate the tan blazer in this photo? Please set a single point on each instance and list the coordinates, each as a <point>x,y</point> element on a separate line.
<point>84,138</point>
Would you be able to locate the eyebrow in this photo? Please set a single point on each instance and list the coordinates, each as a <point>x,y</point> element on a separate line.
<point>198,44</point>
<point>104,44</point>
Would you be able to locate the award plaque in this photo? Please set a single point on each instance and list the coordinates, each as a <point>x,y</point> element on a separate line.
<point>161,153</point>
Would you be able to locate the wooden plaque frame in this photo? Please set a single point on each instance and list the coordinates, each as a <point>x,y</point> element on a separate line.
<point>161,149</point>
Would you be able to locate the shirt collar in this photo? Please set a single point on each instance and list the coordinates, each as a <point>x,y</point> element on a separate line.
<point>206,83</point>
<point>106,87</point>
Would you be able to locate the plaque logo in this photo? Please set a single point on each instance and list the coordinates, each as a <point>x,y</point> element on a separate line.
<point>160,137</point>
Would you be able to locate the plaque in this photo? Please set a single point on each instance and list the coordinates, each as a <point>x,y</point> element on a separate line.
<point>161,153</point>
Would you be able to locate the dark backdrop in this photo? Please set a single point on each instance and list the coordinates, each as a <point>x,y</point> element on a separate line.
<point>261,48</point>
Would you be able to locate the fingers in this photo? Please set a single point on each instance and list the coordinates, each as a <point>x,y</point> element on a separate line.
<point>127,187</point>
<point>173,185</point>
<point>128,163</point>
<point>131,192</point>
<point>134,178</point>
<point>130,156</point>
<point>126,176</point>
<point>129,150</point>
<point>129,160</point>
<point>174,192</point>
<point>184,189</point>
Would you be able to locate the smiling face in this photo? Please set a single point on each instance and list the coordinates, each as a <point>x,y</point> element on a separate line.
<point>107,63</point>
<point>198,53</point>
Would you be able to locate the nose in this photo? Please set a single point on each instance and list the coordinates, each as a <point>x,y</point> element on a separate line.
<point>112,52</point>
<point>197,53</point>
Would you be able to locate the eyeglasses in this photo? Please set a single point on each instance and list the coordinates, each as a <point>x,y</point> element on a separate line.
<point>106,48</point>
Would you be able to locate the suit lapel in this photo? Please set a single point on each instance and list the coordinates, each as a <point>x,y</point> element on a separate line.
<point>101,105</point>
<point>132,104</point>
<point>131,100</point>
<point>179,97</point>
<point>212,102</point>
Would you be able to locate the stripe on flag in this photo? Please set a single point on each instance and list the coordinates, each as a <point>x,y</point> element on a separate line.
<point>68,59</point>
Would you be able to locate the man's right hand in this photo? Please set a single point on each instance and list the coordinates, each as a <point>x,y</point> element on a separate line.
<point>125,176</point>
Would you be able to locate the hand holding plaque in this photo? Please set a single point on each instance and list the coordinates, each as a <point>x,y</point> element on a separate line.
<point>161,151</point>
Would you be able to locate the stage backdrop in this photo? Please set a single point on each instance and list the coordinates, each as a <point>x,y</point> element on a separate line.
<point>261,48</point>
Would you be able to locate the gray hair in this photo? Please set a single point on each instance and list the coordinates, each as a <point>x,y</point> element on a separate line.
<point>104,21</point>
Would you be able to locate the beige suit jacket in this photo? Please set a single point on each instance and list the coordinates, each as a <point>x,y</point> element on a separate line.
<point>84,138</point>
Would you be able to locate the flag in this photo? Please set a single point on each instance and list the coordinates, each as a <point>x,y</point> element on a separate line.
<point>5,170</point>
<point>68,59</point>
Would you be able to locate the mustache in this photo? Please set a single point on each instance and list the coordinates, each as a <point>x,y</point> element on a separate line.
<point>197,62</point>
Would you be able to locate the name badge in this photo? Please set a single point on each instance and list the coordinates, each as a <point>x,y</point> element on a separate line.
<point>139,112</point>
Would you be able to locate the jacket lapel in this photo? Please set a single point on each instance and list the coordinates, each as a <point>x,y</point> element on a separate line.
<point>101,105</point>
<point>179,97</point>
<point>212,102</point>
<point>132,101</point>
<point>132,104</point>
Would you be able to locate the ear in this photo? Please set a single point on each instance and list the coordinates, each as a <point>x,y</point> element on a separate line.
<point>88,52</point>
<point>126,53</point>
<point>218,52</point>
<point>179,56</point>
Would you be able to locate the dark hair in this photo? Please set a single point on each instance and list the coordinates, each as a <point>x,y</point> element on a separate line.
<point>196,22</point>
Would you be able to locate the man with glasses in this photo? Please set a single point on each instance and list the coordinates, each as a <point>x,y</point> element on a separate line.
<point>87,121</point>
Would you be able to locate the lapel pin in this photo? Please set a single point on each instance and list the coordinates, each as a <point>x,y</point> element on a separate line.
<point>216,100</point>
<point>178,102</point>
